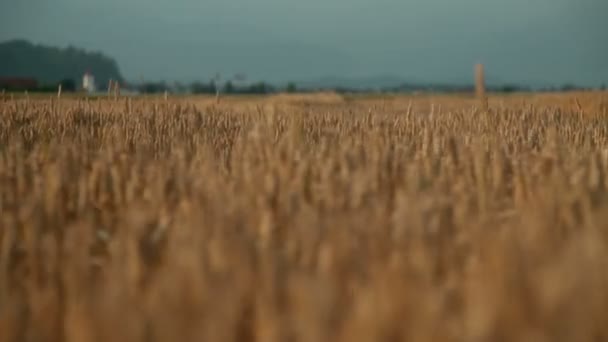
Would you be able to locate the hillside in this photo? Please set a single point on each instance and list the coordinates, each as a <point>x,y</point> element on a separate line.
<point>49,65</point>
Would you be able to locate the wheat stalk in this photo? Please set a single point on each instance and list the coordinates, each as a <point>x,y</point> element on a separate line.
<point>480,86</point>
<point>268,220</point>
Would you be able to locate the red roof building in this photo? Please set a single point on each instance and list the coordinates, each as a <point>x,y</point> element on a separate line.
<point>18,83</point>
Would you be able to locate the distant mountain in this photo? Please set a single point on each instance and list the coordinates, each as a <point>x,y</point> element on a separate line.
<point>49,65</point>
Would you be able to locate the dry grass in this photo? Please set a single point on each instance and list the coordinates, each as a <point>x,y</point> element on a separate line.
<point>395,219</point>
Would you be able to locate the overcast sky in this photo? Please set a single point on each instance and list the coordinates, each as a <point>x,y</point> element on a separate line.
<point>525,41</point>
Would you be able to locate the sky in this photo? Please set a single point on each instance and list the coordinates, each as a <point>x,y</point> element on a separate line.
<point>535,42</point>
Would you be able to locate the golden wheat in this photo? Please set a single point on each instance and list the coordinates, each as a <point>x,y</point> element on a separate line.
<point>263,220</point>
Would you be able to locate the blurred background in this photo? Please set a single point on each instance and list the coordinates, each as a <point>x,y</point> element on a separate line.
<point>191,46</point>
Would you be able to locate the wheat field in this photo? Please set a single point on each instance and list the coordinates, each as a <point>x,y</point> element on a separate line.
<point>304,218</point>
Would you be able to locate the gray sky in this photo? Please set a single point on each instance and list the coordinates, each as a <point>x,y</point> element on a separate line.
<point>526,41</point>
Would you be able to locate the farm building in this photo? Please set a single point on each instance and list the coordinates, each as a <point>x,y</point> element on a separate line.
<point>88,82</point>
<point>18,83</point>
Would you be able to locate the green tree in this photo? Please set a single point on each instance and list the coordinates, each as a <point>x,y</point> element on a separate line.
<point>68,85</point>
<point>291,87</point>
<point>259,88</point>
<point>50,65</point>
<point>202,88</point>
<point>229,88</point>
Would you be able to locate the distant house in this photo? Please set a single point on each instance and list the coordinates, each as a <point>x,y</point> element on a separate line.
<point>88,82</point>
<point>18,83</point>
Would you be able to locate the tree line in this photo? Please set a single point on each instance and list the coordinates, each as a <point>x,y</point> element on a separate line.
<point>50,66</point>
<point>212,87</point>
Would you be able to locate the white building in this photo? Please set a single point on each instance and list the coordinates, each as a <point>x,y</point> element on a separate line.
<point>88,82</point>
